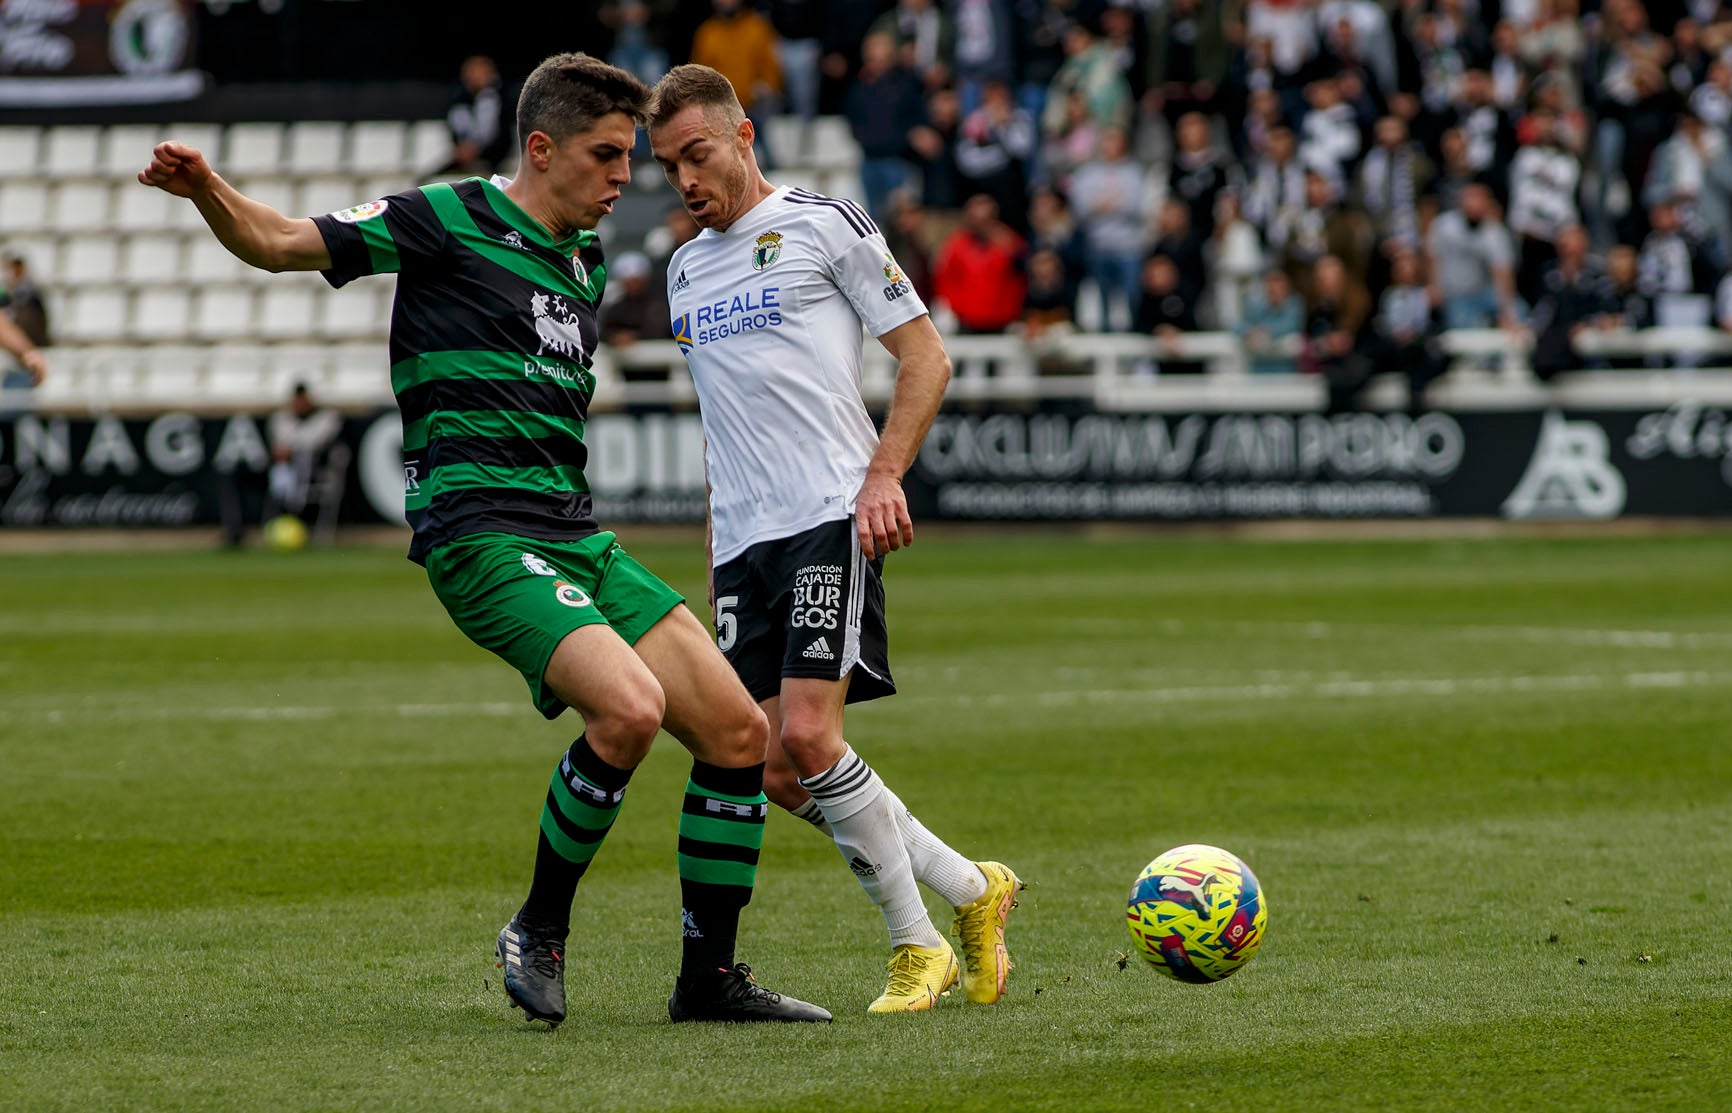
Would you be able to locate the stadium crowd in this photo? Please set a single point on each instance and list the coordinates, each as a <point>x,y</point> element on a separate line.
<point>1335,180</point>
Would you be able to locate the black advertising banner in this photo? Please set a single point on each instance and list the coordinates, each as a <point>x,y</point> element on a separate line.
<point>77,52</point>
<point>1053,464</point>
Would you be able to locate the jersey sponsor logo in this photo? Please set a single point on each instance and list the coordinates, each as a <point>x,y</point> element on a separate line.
<point>819,651</point>
<point>411,476</point>
<point>892,272</point>
<point>359,213</point>
<point>1571,474</point>
<point>557,326</point>
<point>767,250</point>
<point>817,600</point>
<point>538,566</point>
<point>570,594</point>
<point>683,332</point>
<point>754,309</point>
<point>682,281</point>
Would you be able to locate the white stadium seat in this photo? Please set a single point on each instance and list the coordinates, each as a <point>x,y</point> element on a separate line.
<point>162,313</point>
<point>95,313</point>
<point>360,373</point>
<point>832,143</point>
<point>151,258</point>
<point>316,147</point>
<point>384,185</point>
<point>91,259</point>
<point>288,364</point>
<point>126,148</point>
<point>208,138</point>
<point>377,146</point>
<point>139,208</point>
<point>286,312</point>
<point>429,146</point>
<point>23,207</point>
<point>223,313</point>
<point>72,152</point>
<point>169,379</point>
<point>20,149</point>
<point>253,149</point>
<point>354,312</point>
<point>79,206</point>
<point>208,261</point>
<point>278,193</point>
<point>239,372</point>
<point>40,253</point>
<point>327,195</point>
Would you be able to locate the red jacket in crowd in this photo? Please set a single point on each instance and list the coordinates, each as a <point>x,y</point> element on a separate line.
<point>981,279</point>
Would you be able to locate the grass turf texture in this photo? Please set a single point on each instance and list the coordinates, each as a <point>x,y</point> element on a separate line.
<point>263,816</point>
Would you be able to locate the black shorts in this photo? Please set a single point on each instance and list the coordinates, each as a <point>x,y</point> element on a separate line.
<point>809,605</point>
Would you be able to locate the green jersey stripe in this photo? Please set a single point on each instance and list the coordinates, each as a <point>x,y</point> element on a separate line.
<point>491,423</point>
<point>451,366</point>
<point>565,479</point>
<point>512,213</point>
<point>525,265</point>
<point>381,248</point>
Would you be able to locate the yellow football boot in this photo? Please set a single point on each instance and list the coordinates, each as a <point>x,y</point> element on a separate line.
<point>980,926</point>
<point>917,976</point>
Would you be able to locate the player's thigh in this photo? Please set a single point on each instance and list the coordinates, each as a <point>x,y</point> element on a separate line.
<point>707,708</point>
<point>519,599</point>
<point>594,671</point>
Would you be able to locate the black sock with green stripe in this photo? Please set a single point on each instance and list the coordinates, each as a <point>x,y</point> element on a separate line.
<point>581,805</point>
<point>721,832</point>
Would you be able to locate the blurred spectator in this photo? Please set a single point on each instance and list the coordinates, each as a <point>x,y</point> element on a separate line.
<point>985,50</point>
<point>741,44</point>
<point>1199,172</point>
<point>925,39</point>
<point>1075,142</point>
<point>1688,66</point>
<point>1273,312</point>
<point>1723,304</point>
<point>1164,312</point>
<point>637,311</point>
<point>1262,118</point>
<point>1122,33</point>
<point>1178,241</point>
<point>1289,26</point>
<point>634,50</point>
<point>1488,130</point>
<point>1053,228</point>
<point>1404,331</point>
<point>676,230</point>
<point>935,144</point>
<point>1573,297</point>
<point>799,27</point>
<point>480,125</point>
<point>1693,171</point>
<point>1090,69</point>
<point>1625,305</point>
<point>1359,33</point>
<point>1050,304</point>
<point>846,24</point>
<point>1040,51</point>
<point>1275,191</point>
<point>1506,71</point>
<point>1235,259</point>
<point>22,300</point>
<point>23,347</point>
<point>1329,137</point>
<point>1712,100</point>
<point>1555,44</point>
<point>1456,173</point>
<point>1472,263</point>
<point>883,107</point>
<point>993,150</point>
<point>1543,181</point>
<point>1674,271</point>
<point>906,236</point>
<point>979,269</point>
<point>305,453</point>
<point>1109,197</point>
<point>1188,57</point>
<point>1391,179</point>
<point>1324,227</point>
<point>1336,312</point>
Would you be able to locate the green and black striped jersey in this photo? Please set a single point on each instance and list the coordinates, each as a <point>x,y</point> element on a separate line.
<point>492,334</point>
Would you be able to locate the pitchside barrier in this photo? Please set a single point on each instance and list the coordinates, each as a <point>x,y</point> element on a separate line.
<point>1080,428</point>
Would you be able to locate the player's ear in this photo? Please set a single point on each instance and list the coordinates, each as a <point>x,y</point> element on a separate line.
<point>538,150</point>
<point>744,134</point>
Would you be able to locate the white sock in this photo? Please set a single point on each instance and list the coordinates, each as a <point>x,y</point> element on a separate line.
<point>857,806</point>
<point>935,865</point>
<point>813,814</point>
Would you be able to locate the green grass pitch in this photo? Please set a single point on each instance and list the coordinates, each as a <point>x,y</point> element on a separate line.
<point>263,816</point>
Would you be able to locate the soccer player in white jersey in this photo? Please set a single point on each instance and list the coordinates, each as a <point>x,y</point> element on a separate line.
<point>768,304</point>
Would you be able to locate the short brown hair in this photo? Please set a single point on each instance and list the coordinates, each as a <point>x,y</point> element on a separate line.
<point>570,93</point>
<point>684,86</point>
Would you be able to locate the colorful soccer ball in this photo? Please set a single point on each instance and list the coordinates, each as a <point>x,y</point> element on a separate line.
<point>1197,913</point>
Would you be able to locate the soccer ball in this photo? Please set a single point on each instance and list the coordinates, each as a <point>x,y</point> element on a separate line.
<point>1197,913</point>
<point>285,533</point>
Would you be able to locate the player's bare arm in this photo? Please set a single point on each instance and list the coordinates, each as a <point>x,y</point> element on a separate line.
<point>923,371</point>
<point>255,233</point>
<point>14,340</point>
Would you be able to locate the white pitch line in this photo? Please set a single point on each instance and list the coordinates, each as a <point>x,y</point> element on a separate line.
<point>1545,635</point>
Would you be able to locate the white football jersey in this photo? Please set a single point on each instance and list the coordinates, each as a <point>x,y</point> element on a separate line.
<point>769,316</point>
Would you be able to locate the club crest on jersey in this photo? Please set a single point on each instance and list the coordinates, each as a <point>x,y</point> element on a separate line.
<point>578,272</point>
<point>767,250</point>
<point>361,212</point>
<point>556,326</point>
<point>570,594</point>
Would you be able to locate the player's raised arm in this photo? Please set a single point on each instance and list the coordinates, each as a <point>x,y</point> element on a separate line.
<point>255,233</point>
<point>922,372</point>
<point>17,342</point>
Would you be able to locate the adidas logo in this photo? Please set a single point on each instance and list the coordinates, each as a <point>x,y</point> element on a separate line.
<point>681,282</point>
<point>819,651</point>
<point>863,868</point>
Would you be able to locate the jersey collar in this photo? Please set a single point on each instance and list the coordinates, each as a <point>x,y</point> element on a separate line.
<point>508,210</point>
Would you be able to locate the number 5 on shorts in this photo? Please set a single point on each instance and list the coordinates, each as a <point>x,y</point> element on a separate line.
<point>727,626</point>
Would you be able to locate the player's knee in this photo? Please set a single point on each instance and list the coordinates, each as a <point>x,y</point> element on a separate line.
<point>743,736</point>
<point>811,740</point>
<point>631,718</point>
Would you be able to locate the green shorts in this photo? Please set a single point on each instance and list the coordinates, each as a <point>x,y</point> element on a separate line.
<point>520,597</point>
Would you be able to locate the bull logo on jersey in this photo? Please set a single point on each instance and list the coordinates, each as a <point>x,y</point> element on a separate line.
<point>767,250</point>
<point>683,332</point>
<point>557,327</point>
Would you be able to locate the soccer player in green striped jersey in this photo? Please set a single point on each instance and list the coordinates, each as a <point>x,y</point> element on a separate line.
<point>492,335</point>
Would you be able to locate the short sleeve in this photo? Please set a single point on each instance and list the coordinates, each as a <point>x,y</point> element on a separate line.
<point>868,274</point>
<point>392,234</point>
